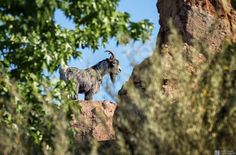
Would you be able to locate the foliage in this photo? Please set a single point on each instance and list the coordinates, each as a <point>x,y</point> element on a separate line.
<point>34,107</point>
<point>182,100</point>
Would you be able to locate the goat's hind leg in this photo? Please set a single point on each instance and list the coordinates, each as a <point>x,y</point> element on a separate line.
<point>88,95</point>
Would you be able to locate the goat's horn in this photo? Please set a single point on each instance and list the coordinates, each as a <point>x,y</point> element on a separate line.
<point>110,52</point>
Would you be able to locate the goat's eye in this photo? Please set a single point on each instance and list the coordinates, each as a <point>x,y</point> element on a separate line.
<point>112,64</point>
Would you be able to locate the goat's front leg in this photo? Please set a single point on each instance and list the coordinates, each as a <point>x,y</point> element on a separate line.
<point>88,95</point>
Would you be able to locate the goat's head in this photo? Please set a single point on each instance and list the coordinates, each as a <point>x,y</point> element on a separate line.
<point>114,66</point>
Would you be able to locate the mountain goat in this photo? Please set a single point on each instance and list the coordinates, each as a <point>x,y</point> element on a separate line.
<point>88,80</point>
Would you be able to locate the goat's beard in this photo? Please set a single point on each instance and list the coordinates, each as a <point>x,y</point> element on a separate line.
<point>113,78</point>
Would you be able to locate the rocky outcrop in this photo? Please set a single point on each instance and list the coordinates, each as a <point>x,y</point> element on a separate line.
<point>95,120</point>
<point>208,21</point>
<point>211,20</point>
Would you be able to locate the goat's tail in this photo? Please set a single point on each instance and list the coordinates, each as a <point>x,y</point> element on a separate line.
<point>62,71</point>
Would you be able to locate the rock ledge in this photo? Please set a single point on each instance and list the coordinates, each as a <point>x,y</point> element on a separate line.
<point>95,120</point>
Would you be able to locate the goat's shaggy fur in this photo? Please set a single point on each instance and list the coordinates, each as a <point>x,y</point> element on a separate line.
<point>89,80</point>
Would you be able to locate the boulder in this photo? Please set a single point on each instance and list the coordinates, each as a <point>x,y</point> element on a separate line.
<point>95,120</point>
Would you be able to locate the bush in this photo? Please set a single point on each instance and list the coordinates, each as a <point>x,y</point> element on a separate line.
<point>182,100</point>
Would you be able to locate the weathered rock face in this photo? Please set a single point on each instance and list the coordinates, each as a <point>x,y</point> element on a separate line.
<point>211,20</point>
<point>95,120</point>
<point>208,21</point>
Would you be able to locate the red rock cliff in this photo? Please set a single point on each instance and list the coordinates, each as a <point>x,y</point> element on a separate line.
<point>213,20</point>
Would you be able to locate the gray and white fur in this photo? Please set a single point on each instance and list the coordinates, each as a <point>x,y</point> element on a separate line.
<point>88,80</point>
